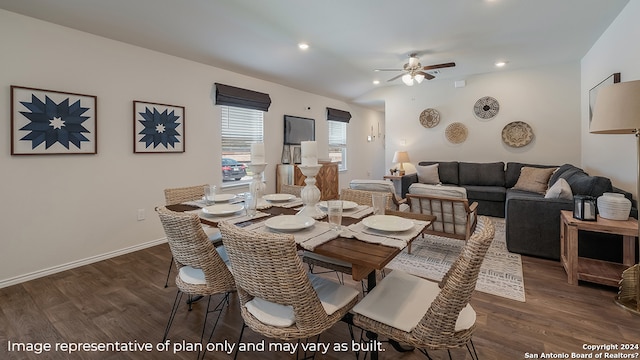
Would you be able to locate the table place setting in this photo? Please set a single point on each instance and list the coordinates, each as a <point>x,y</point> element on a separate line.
<point>307,232</point>
<point>388,230</point>
<point>233,213</point>
<point>286,201</point>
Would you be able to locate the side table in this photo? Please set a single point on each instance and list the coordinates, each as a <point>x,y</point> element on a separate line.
<point>596,271</point>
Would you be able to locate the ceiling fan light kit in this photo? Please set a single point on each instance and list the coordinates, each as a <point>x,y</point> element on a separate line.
<point>415,72</point>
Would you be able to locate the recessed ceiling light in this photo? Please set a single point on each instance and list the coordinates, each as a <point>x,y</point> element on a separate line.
<point>303,46</point>
<point>500,63</point>
<point>376,82</point>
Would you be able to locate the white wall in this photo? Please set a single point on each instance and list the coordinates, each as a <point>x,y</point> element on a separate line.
<point>60,211</point>
<point>547,98</point>
<point>617,50</point>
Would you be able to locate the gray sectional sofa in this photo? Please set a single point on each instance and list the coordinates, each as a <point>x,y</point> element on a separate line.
<point>532,221</point>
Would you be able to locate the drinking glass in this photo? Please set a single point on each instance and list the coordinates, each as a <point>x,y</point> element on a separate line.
<point>379,203</point>
<point>334,210</point>
<point>210,194</point>
<point>250,204</point>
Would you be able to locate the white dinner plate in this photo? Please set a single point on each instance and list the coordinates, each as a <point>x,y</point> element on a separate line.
<point>346,205</point>
<point>387,223</point>
<point>222,209</point>
<point>279,197</point>
<point>222,197</point>
<point>289,222</point>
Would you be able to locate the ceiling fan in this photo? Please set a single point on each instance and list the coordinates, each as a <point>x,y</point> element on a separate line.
<point>414,71</point>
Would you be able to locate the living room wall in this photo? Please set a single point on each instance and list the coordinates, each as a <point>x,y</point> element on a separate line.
<point>547,98</point>
<point>613,156</point>
<point>61,211</point>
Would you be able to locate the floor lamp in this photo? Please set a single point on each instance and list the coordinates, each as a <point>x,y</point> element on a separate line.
<point>617,111</point>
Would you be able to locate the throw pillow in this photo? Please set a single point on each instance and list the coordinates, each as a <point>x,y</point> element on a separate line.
<point>559,190</point>
<point>428,174</point>
<point>534,179</point>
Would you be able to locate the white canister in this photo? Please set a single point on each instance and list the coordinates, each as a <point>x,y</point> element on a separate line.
<point>614,206</point>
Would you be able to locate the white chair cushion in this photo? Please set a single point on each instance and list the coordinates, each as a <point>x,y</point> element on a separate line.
<point>195,276</point>
<point>401,300</point>
<point>326,259</point>
<point>438,190</point>
<point>332,295</point>
<point>372,185</point>
<point>212,232</point>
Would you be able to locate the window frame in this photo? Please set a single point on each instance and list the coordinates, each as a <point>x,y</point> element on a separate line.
<point>230,113</point>
<point>338,142</point>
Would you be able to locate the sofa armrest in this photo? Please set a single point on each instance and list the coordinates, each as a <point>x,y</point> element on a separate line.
<point>532,225</point>
<point>406,181</point>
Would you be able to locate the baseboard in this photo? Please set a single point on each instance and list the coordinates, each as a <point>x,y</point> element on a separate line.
<point>74,264</point>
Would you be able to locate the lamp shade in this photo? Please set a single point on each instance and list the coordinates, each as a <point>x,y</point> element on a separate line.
<point>401,157</point>
<point>617,109</point>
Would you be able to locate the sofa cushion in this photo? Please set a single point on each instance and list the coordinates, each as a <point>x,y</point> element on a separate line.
<point>512,173</point>
<point>581,183</point>
<point>534,179</point>
<point>559,190</point>
<point>447,170</point>
<point>486,193</point>
<point>428,174</point>
<point>485,174</point>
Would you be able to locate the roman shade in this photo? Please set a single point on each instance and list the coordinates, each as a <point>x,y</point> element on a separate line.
<point>243,98</point>
<point>338,115</point>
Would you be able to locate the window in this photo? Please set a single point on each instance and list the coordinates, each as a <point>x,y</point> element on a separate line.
<point>338,143</point>
<point>240,128</point>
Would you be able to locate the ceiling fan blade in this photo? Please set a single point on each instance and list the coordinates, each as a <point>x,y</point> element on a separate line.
<point>426,75</point>
<point>439,66</point>
<point>388,70</point>
<point>395,77</point>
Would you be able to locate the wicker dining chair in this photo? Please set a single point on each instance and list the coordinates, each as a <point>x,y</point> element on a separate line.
<point>173,196</point>
<point>278,298</point>
<point>291,189</point>
<point>202,269</point>
<point>436,316</point>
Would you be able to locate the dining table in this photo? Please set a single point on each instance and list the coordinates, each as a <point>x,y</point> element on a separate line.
<point>365,257</point>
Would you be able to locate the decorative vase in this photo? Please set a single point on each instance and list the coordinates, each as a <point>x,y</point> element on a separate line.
<point>614,206</point>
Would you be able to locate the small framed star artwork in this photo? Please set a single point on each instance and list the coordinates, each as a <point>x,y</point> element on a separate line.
<point>47,122</point>
<point>158,128</point>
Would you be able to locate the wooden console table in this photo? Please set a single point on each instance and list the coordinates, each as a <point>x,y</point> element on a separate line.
<point>326,180</point>
<point>596,271</point>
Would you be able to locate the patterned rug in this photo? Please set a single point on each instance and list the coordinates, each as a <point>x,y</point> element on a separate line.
<point>431,257</point>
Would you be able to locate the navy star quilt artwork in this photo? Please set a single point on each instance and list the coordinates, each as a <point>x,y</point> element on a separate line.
<point>52,122</point>
<point>158,128</point>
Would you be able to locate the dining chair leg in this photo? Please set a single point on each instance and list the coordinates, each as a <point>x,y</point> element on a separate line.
<point>474,355</point>
<point>174,310</point>
<point>218,308</point>
<point>239,339</point>
<point>166,282</point>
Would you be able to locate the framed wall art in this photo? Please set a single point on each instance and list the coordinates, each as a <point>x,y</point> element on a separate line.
<point>48,122</point>
<point>593,93</point>
<point>158,128</point>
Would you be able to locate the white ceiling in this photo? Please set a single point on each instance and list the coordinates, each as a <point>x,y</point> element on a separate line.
<point>348,38</point>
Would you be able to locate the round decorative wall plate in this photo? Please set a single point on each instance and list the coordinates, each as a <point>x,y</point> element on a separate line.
<point>486,108</point>
<point>456,133</point>
<point>517,134</point>
<point>429,118</point>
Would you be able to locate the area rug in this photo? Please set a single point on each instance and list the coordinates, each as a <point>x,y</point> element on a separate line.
<point>500,273</point>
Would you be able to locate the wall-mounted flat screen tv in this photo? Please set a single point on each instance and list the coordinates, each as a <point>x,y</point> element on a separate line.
<point>297,129</point>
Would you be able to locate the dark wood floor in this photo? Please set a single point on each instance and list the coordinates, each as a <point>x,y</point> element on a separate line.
<point>123,299</point>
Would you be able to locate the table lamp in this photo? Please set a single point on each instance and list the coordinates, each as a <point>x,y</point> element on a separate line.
<point>401,157</point>
<point>617,111</point>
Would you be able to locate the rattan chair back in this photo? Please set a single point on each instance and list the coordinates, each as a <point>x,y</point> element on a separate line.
<point>291,189</point>
<point>180,195</point>
<point>365,197</point>
<point>267,266</point>
<point>190,246</point>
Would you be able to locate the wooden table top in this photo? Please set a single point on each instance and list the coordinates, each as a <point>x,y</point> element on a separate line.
<point>364,257</point>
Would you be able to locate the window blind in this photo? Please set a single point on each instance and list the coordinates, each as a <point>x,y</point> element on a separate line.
<point>240,128</point>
